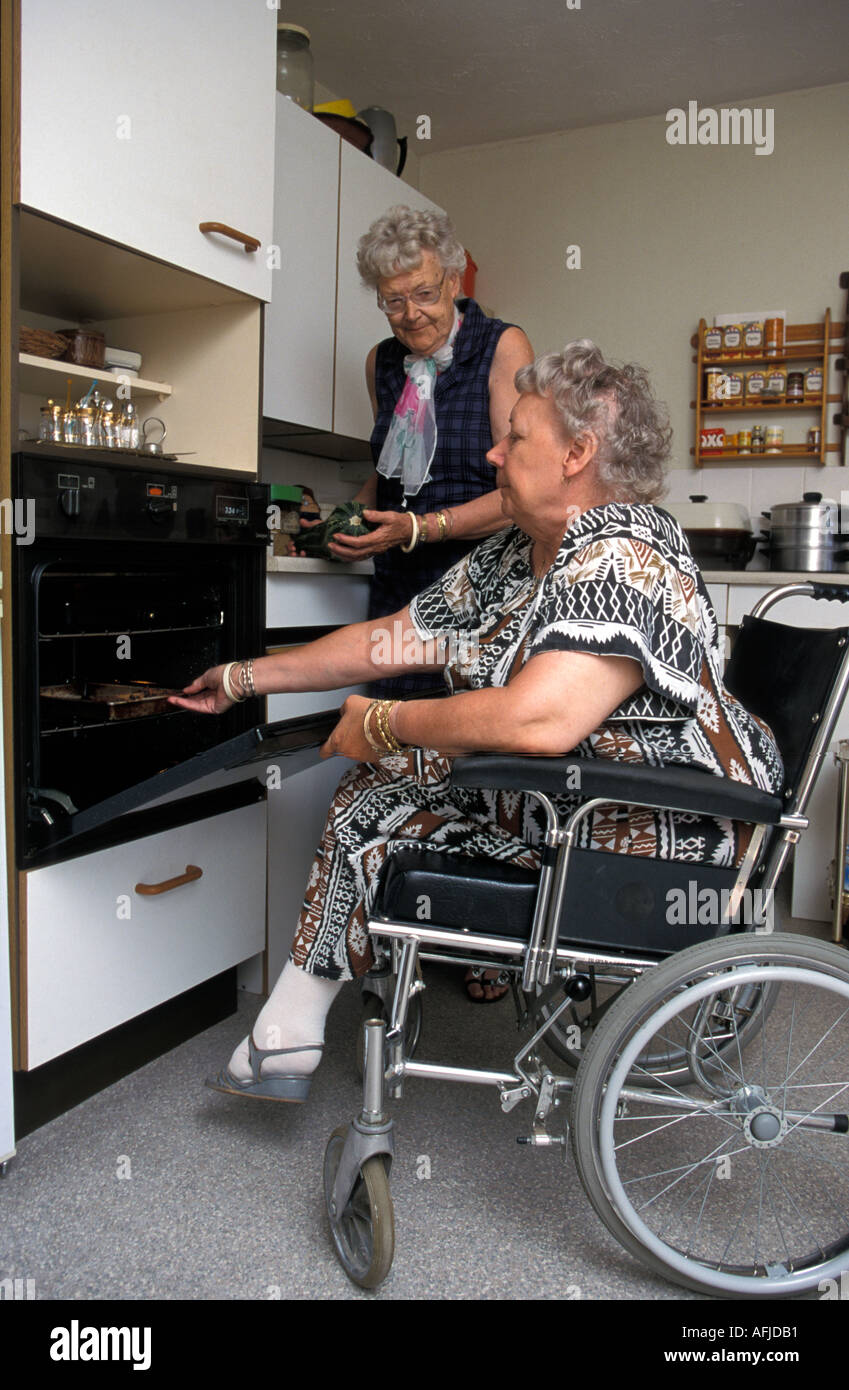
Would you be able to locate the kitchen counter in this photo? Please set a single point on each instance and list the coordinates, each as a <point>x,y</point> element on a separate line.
<point>294,564</point>
<point>770,579</point>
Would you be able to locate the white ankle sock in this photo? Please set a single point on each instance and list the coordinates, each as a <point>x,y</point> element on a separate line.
<point>293,1015</point>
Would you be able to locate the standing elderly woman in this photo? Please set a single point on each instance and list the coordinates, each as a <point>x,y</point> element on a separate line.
<point>592,631</point>
<point>441,388</point>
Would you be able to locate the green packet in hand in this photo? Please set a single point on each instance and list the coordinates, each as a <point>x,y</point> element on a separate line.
<point>346,519</point>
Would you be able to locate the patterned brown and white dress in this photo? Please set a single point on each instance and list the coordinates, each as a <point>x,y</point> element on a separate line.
<point>624,583</point>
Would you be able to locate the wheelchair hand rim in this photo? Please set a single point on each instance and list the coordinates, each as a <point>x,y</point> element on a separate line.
<point>728,1283</point>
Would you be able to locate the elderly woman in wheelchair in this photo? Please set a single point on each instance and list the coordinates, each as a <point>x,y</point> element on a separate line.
<point>708,1118</point>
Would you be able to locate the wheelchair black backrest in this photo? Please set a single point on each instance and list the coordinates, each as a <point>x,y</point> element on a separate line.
<point>786,676</point>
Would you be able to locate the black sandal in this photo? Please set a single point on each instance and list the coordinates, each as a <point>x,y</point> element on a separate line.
<point>476,976</point>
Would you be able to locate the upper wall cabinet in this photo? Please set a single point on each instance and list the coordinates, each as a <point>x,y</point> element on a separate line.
<point>141,121</point>
<point>365,191</point>
<point>299,325</point>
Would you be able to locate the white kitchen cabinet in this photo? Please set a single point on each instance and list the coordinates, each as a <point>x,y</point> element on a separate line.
<point>7,1115</point>
<point>366,190</point>
<point>300,326</point>
<point>97,952</point>
<point>141,120</point>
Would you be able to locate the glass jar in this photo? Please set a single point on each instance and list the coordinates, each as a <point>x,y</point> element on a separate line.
<point>294,64</point>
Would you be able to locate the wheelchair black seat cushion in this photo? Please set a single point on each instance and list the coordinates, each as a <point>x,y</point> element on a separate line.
<point>613,901</point>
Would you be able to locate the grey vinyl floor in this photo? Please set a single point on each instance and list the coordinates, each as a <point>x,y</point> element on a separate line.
<point>158,1188</point>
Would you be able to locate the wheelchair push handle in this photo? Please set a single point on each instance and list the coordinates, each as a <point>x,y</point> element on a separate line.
<point>831,591</point>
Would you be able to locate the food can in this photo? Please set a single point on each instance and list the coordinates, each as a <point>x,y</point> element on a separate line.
<point>744,441</point>
<point>773,337</point>
<point>813,383</point>
<point>814,437</point>
<point>755,383</point>
<point>712,342</point>
<point>753,339</point>
<point>795,386</point>
<point>732,340</point>
<point>757,439</point>
<point>774,439</point>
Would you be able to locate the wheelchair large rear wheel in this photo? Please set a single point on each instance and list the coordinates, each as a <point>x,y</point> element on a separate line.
<point>364,1233</point>
<point>735,1182</point>
<point>570,1035</point>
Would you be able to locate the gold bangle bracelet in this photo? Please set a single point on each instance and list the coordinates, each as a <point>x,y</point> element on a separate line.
<point>372,742</point>
<point>442,524</point>
<point>423,529</point>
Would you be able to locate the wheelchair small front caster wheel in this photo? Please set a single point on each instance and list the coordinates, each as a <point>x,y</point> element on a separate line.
<point>373,1007</point>
<point>364,1233</point>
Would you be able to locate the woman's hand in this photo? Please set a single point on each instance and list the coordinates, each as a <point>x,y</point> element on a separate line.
<point>391,529</point>
<point>206,695</point>
<point>347,740</point>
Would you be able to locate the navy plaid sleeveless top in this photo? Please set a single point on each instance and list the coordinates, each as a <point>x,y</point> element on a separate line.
<point>459,472</point>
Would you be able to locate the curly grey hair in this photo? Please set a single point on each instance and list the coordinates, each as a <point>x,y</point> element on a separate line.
<point>395,243</point>
<point>617,405</point>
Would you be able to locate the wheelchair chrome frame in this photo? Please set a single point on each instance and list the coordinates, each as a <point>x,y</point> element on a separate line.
<point>541,955</point>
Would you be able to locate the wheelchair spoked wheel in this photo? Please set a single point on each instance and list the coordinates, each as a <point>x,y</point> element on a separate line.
<point>373,1007</point>
<point>666,1059</point>
<point>736,1184</point>
<point>364,1233</point>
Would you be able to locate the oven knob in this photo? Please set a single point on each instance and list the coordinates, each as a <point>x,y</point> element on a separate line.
<point>69,501</point>
<point>159,507</point>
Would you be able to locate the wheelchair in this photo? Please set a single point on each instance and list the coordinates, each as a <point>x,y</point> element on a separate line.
<point>706,1062</point>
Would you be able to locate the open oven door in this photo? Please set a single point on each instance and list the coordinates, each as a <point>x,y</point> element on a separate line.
<point>261,757</point>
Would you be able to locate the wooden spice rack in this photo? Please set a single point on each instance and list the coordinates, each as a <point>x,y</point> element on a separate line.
<point>803,342</point>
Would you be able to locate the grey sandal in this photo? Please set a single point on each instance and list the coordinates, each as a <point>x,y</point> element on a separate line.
<point>291,1088</point>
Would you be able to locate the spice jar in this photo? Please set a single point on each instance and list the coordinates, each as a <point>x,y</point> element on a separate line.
<point>732,340</point>
<point>714,385</point>
<point>753,340</point>
<point>775,388</point>
<point>795,386</point>
<point>773,337</point>
<point>813,383</point>
<point>734,387</point>
<point>758,439</point>
<point>774,439</point>
<point>755,383</point>
<point>713,342</point>
<point>744,441</point>
<point>814,437</point>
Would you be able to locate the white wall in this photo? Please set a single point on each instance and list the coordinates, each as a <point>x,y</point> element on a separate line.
<point>667,235</point>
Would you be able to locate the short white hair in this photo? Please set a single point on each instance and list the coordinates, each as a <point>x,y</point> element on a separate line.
<point>617,405</point>
<point>397,241</point>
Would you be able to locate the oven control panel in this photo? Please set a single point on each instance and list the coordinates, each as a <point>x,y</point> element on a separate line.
<point>117,501</point>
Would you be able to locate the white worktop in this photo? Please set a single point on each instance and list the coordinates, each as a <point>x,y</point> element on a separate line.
<point>294,564</point>
<point>770,579</point>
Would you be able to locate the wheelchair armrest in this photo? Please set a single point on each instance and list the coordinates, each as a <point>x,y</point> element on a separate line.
<point>673,788</point>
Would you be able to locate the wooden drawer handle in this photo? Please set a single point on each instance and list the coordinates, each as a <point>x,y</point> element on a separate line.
<point>149,889</point>
<point>250,243</point>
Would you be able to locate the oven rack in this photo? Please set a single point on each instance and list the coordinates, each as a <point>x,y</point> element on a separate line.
<point>133,631</point>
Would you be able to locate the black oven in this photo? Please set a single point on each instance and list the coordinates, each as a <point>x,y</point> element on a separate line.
<point>129,580</point>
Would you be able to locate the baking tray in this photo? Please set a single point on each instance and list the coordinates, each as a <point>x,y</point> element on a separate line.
<point>98,702</point>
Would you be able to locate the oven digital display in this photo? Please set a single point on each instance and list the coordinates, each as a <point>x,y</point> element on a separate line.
<point>231,509</point>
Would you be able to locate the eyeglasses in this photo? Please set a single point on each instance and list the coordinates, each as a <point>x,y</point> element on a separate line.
<point>395,303</point>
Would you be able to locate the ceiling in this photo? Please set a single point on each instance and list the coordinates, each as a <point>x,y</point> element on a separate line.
<point>486,70</point>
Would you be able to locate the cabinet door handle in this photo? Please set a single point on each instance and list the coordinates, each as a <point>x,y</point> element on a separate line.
<point>250,243</point>
<point>149,889</point>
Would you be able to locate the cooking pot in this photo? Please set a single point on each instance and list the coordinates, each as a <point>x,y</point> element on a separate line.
<point>806,536</point>
<point>387,149</point>
<point>720,533</point>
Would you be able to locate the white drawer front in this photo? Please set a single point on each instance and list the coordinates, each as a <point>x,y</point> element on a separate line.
<point>98,953</point>
<point>308,600</point>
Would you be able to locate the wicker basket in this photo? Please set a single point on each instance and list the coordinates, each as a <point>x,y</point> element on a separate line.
<point>40,343</point>
<point>84,346</point>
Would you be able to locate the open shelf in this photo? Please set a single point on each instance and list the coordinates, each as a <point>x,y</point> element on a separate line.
<point>38,376</point>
